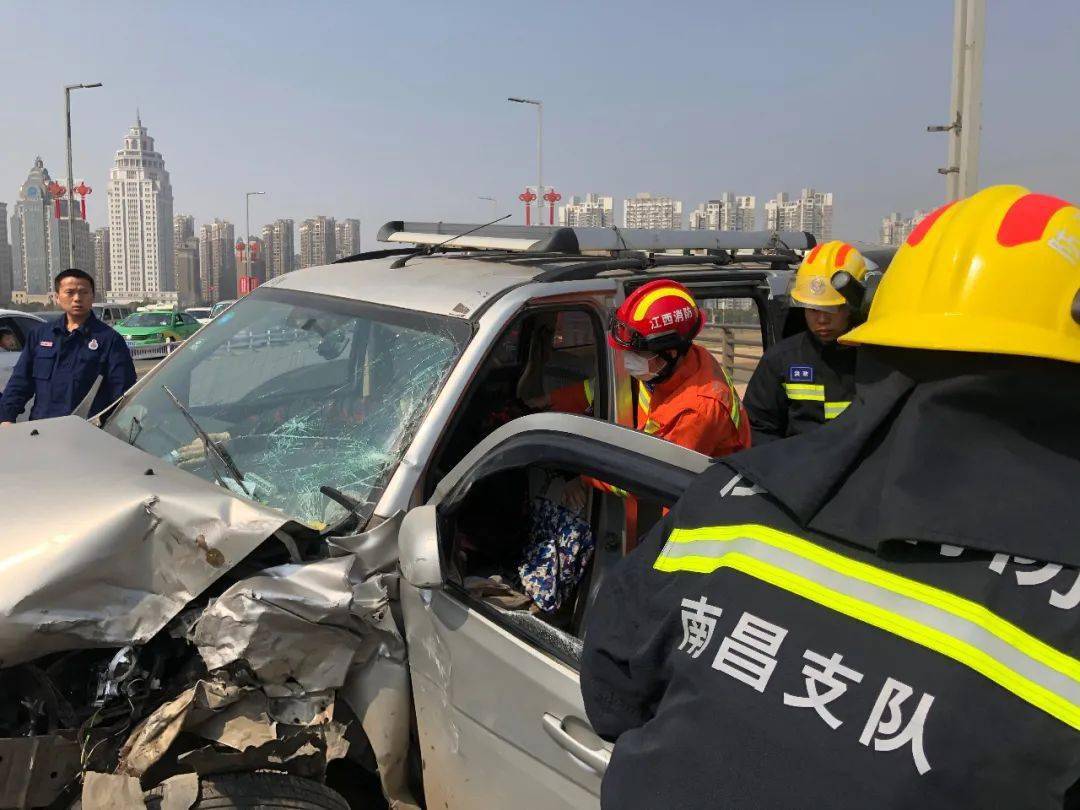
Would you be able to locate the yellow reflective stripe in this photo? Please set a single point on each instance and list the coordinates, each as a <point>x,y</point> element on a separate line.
<point>663,292</point>
<point>805,392</point>
<point>644,397</point>
<point>651,426</point>
<point>877,615</point>
<point>589,392</point>
<point>834,409</point>
<point>891,622</point>
<point>735,404</point>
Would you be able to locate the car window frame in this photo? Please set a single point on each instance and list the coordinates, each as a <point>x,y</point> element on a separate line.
<point>661,480</point>
<point>589,307</point>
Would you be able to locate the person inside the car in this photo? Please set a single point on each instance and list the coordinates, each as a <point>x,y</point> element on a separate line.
<point>8,341</point>
<point>684,396</point>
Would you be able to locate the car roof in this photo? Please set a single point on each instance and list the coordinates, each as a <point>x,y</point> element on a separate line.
<point>36,316</point>
<point>441,284</point>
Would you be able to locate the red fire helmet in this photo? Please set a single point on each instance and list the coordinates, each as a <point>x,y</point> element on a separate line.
<point>658,316</point>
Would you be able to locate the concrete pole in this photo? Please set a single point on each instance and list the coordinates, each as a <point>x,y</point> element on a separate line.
<point>70,174</point>
<point>539,151</point>
<point>971,111</point>
<point>952,178</point>
<point>70,182</point>
<point>539,162</point>
<point>247,228</point>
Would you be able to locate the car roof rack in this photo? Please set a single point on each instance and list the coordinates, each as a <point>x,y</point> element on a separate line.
<point>576,241</point>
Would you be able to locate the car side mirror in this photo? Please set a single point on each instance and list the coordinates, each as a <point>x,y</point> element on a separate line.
<point>418,547</point>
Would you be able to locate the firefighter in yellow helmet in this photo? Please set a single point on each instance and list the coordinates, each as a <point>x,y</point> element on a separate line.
<point>882,613</point>
<point>808,379</point>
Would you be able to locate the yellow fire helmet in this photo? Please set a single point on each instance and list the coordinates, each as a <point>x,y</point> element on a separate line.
<point>812,289</point>
<point>998,272</point>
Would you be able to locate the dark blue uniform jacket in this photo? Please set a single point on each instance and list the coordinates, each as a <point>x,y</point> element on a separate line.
<point>57,368</point>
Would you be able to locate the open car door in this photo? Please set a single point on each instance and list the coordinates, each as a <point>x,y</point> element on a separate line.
<point>495,678</point>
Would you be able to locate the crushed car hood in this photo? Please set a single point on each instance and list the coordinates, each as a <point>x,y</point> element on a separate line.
<point>102,544</point>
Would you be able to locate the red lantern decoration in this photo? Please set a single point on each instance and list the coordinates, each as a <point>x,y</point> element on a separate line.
<point>83,191</point>
<point>57,191</point>
<point>552,197</point>
<point>527,197</point>
<point>240,248</point>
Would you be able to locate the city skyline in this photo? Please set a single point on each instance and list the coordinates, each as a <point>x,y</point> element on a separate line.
<point>423,144</point>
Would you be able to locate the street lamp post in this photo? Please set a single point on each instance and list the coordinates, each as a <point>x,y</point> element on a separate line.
<point>539,149</point>
<point>494,205</point>
<point>71,178</point>
<point>247,225</point>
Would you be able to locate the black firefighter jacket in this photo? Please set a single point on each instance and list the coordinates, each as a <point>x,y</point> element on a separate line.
<point>800,384</point>
<point>896,625</point>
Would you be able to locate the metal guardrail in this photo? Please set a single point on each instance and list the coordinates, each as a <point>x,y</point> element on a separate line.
<point>736,347</point>
<point>143,351</point>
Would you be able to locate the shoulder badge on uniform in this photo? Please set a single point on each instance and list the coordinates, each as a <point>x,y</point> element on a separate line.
<point>801,374</point>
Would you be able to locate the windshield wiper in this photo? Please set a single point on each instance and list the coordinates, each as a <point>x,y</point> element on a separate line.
<point>209,444</point>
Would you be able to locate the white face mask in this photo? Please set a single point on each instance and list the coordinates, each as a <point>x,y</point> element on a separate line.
<point>639,365</point>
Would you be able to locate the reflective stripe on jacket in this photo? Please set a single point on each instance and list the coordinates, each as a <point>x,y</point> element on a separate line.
<point>799,384</point>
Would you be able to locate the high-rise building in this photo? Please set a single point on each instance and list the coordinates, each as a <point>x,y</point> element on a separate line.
<point>102,277</point>
<point>32,234</point>
<point>317,241</point>
<point>278,247</point>
<point>346,238</point>
<point>5,257</point>
<point>647,211</point>
<point>812,212</point>
<point>254,264</point>
<point>188,282</point>
<point>895,228</point>
<point>183,229</point>
<point>140,220</point>
<point>590,211</point>
<point>217,261</point>
<point>84,248</point>
<point>730,212</point>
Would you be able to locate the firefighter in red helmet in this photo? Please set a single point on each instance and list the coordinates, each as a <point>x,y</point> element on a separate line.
<point>685,395</point>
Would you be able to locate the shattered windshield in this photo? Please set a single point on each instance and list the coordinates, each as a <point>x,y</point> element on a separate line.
<point>296,391</point>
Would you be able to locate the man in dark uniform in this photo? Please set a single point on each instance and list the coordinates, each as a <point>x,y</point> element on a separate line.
<point>897,624</point>
<point>808,379</point>
<point>62,358</point>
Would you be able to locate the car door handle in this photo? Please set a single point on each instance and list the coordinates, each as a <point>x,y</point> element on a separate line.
<point>596,759</point>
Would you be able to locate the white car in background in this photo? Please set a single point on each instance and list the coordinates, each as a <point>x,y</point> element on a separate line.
<point>14,326</point>
<point>201,314</point>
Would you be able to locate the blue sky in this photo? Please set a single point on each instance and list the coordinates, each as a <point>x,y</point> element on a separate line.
<point>397,110</point>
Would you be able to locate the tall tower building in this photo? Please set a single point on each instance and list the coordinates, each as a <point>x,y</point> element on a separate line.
<point>183,229</point>
<point>812,212</point>
<point>140,220</point>
<point>731,212</point>
<point>188,283</point>
<point>102,278</point>
<point>5,257</point>
<point>647,211</point>
<point>346,238</point>
<point>32,233</point>
<point>217,261</point>
<point>317,241</point>
<point>895,228</point>
<point>278,248</point>
<point>590,211</point>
